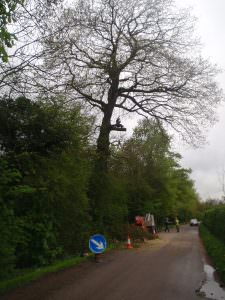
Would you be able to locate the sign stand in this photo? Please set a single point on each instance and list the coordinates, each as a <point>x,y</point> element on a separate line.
<point>97,245</point>
<point>98,258</point>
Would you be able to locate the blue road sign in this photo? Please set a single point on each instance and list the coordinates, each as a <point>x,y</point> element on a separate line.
<point>97,243</point>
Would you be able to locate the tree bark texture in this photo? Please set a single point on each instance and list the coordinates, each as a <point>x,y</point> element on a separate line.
<point>103,143</point>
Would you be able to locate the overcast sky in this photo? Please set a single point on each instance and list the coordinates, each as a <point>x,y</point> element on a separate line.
<point>208,163</point>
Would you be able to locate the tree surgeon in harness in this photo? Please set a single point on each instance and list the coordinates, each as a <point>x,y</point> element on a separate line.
<point>118,123</point>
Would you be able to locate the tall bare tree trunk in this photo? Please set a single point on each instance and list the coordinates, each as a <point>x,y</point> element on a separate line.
<point>99,182</point>
<point>103,143</point>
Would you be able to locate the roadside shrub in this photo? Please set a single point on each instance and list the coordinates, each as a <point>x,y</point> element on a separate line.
<point>9,180</point>
<point>216,250</point>
<point>214,220</point>
<point>38,245</point>
<point>7,241</point>
<point>137,233</point>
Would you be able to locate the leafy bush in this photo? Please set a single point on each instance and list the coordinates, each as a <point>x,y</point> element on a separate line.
<point>216,250</point>
<point>9,180</point>
<point>214,220</point>
<point>7,241</point>
<point>43,182</point>
<point>38,246</point>
<point>137,233</point>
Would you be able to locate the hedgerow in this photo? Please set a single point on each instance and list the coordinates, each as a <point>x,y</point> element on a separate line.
<point>214,220</point>
<point>215,249</point>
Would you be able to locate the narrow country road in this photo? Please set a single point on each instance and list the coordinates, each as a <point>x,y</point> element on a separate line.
<point>170,268</point>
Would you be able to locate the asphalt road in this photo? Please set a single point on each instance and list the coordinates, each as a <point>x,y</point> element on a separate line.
<point>170,268</point>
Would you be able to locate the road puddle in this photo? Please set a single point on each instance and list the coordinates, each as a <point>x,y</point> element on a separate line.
<point>210,288</point>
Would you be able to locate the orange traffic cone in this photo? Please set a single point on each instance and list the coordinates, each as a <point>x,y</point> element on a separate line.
<point>129,246</point>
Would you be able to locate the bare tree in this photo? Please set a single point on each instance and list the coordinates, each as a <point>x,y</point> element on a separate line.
<point>28,28</point>
<point>137,56</point>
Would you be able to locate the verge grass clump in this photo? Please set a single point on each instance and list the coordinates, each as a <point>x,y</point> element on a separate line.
<point>30,275</point>
<point>215,249</point>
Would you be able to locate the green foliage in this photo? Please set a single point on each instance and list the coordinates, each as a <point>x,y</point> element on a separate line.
<point>38,245</point>
<point>7,8</point>
<point>115,207</point>
<point>27,126</point>
<point>214,220</point>
<point>30,275</point>
<point>187,198</point>
<point>108,200</point>
<point>9,234</point>
<point>208,205</point>
<point>7,241</point>
<point>54,195</point>
<point>66,183</point>
<point>45,181</point>
<point>154,180</point>
<point>137,233</point>
<point>215,248</point>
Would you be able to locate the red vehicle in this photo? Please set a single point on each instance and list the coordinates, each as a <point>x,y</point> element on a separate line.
<point>147,222</point>
<point>140,221</point>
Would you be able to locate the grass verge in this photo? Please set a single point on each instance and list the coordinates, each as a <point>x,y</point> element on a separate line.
<point>215,249</point>
<point>31,275</point>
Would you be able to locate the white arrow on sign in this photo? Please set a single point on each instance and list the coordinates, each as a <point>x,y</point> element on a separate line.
<point>99,245</point>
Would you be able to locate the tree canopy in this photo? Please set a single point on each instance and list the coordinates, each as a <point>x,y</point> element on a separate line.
<point>128,56</point>
<point>155,180</point>
<point>137,57</point>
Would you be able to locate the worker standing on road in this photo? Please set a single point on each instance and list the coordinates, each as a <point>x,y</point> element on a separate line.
<point>177,223</point>
<point>167,225</point>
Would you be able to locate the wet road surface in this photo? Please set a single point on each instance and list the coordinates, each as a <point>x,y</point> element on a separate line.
<point>170,268</point>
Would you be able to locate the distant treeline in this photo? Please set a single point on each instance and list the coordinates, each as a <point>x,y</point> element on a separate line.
<point>47,206</point>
